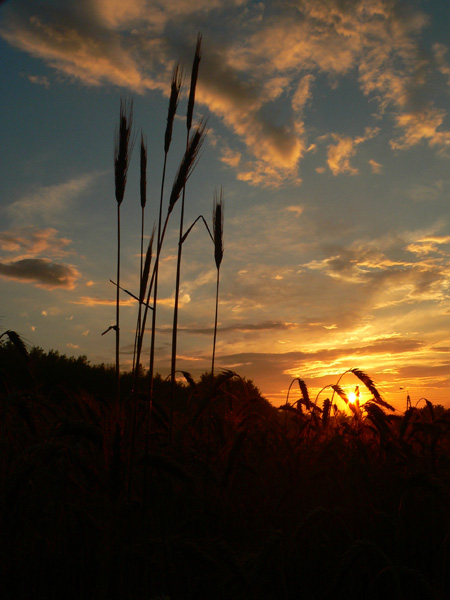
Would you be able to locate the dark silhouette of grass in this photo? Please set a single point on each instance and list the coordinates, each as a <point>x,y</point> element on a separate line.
<point>297,507</point>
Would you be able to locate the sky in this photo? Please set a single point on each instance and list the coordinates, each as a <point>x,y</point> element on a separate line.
<point>329,133</point>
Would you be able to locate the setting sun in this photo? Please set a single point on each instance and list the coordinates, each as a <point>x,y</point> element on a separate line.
<point>351,397</point>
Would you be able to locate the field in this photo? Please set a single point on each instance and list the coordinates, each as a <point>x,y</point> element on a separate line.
<point>239,500</point>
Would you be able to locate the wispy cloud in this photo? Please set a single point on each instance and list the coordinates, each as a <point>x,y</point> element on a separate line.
<point>49,203</point>
<point>440,54</point>
<point>28,242</point>
<point>376,167</point>
<point>339,154</point>
<point>422,125</point>
<point>244,327</point>
<point>39,80</point>
<point>91,301</point>
<point>390,275</point>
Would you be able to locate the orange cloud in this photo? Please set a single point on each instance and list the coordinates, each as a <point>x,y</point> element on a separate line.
<point>421,125</point>
<point>339,154</point>
<point>95,301</point>
<point>31,241</point>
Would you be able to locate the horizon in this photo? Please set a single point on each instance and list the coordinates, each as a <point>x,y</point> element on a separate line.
<point>328,131</point>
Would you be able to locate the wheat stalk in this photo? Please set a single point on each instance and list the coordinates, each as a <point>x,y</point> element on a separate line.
<point>122,153</point>
<point>181,181</point>
<point>175,90</point>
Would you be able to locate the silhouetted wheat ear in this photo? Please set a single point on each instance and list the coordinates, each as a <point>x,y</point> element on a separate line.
<point>218,228</point>
<point>188,163</point>
<point>194,77</point>
<point>368,382</point>
<point>16,341</point>
<point>146,269</point>
<point>340,392</point>
<point>122,148</point>
<point>305,393</point>
<point>175,88</point>
<point>143,180</point>
<point>326,411</point>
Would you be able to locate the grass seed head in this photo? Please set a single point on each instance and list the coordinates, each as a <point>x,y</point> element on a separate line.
<point>188,163</point>
<point>143,172</point>
<point>175,88</point>
<point>123,147</point>
<point>146,269</point>
<point>194,77</point>
<point>368,382</point>
<point>340,392</point>
<point>218,228</point>
<point>305,393</point>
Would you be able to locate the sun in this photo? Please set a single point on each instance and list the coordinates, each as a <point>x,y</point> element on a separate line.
<point>351,397</point>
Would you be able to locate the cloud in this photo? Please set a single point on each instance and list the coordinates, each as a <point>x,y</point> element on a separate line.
<point>339,154</point>
<point>49,203</point>
<point>39,80</point>
<point>440,52</point>
<point>260,69</point>
<point>91,301</point>
<point>230,157</point>
<point>419,126</point>
<point>274,371</point>
<point>303,93</point>
<point>429,245</point>
<point>42,272</point>
<point>74,43</point>
<point>296,210</point>
<point>244,327</point>
<point>390,275</point>
<point>29,242</point>
<point>376,167</point>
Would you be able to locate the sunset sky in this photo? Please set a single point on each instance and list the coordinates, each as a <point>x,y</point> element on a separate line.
<point>329,130</point>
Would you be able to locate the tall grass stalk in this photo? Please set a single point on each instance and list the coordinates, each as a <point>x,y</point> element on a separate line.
<point>177,78</point>
<point>190,111</point>
<point>122,153</point>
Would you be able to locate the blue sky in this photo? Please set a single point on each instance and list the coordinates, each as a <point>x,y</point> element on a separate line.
<point>328,129</point>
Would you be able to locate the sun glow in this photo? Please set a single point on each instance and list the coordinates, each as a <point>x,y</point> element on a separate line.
<point>351,397</point>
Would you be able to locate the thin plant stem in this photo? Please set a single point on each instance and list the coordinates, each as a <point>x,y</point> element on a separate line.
<point>215,324</point>
<point>175,316</point>
<point>117,309</point>
<point>189,114</point>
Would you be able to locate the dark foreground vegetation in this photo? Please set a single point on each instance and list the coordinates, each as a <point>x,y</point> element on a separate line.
<point>240,501</point>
